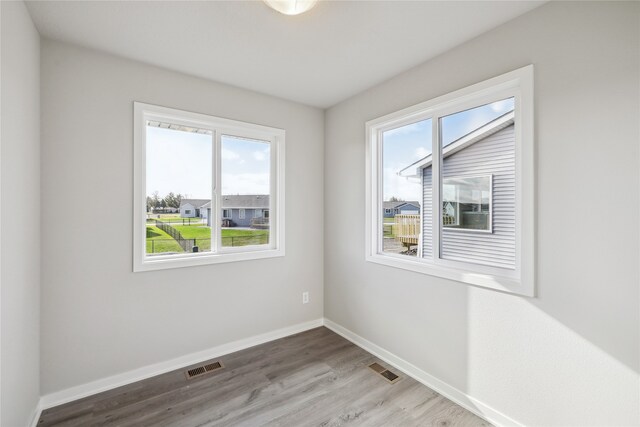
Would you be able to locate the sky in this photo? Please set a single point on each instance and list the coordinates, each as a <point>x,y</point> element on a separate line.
<point>181,162</point>
<point>407,144</point>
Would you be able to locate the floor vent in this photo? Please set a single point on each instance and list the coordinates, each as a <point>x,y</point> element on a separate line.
<point>386,374</point>
<point>204,369</point>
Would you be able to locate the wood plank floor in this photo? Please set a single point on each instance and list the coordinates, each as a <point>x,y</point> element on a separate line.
<point>315,378</point>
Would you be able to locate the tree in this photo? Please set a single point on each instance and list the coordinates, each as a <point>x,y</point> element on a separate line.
<point>396,199</point>
<point>170,200</point>
<point>155,199</point>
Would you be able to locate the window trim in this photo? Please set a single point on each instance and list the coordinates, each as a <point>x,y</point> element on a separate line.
<point>219,126</point>
<point>229,214</point>
<point>517,84</point>
<point>242,214</point>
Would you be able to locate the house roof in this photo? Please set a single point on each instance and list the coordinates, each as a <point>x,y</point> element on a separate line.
<point>394,205</point>
<point>246,201</point>
<point>461,143</point>
<point>242,201</point>
<point>196,203</point>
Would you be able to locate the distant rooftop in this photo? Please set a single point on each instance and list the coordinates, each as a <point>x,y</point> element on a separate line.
<point>241,201</point>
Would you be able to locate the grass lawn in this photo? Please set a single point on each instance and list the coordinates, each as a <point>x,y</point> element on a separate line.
<point>162,216</point>
<point>202,234</point>
<point>175,219</point>
<point>235,237</point>
<point>230,236</point>
<point>158,241</point>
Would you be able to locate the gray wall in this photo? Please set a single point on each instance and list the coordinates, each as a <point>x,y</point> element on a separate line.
<point>569,356</point>
<point>20,213</point>
<point>99,318</point>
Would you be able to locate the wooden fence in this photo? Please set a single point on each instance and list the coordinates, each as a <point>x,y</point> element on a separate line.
<point>407,229</point>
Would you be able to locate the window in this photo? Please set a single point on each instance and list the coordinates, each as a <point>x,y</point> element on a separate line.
<point>266,213</point>
<point>202,162</point>
<point>466,203</point>
<point>257,213</point>
<point>459,169</point>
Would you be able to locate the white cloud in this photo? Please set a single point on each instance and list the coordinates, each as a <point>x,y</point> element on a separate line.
<point>502,106</point>
<point>259,155</point>
<point>422,152</point>
<point>406,129</point>
<point>404,188</point>
<point>245,183</point>
<point>229,155</point>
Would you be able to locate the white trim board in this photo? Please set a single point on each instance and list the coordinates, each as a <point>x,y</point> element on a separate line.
<point>35,417</point>
<point>473,405</point>
<point>104,384</point>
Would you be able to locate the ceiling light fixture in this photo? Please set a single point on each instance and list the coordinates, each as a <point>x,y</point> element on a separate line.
<point>291,7</point>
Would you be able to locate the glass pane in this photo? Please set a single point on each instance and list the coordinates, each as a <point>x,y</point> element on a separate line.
<point>478,185</point>
<point>401,190</point>
<point>246,168</point>
<point>179,184</point>
<point>465,203</point>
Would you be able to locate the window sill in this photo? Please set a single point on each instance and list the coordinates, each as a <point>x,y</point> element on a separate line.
<point>192,260</point>
<point>501,283</point>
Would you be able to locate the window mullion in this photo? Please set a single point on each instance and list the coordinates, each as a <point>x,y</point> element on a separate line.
<point>216,205</point>
<point>379,193</point>
<point>435,190</point>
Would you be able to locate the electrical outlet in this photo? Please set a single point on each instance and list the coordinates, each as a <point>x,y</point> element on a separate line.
<point>305,297</point>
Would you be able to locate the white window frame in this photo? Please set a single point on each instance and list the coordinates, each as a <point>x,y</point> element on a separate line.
<point>219,127</point>
<point>257,213</point>
<point>241,214</point>
<point>228,213</point>
<point>521,280</point>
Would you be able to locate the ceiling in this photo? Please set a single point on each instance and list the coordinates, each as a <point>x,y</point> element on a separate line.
<point>319,58</point>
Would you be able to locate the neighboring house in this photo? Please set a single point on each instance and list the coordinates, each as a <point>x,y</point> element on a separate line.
<point>237,211</point>
<point>245,210</point>
<point>191,208</point>
<point>391,209</point>
<point>478,196</point>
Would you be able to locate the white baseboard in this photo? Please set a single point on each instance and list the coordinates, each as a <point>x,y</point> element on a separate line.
<point>35,417</point>
<point>482,410</point>
<point>98,386</point>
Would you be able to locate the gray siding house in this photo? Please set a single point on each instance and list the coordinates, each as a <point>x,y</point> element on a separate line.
<point>391,209</point>
<point>191,208</point>
<point>246,210</point>
<point>478,196</point>
<point>240,210</point>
